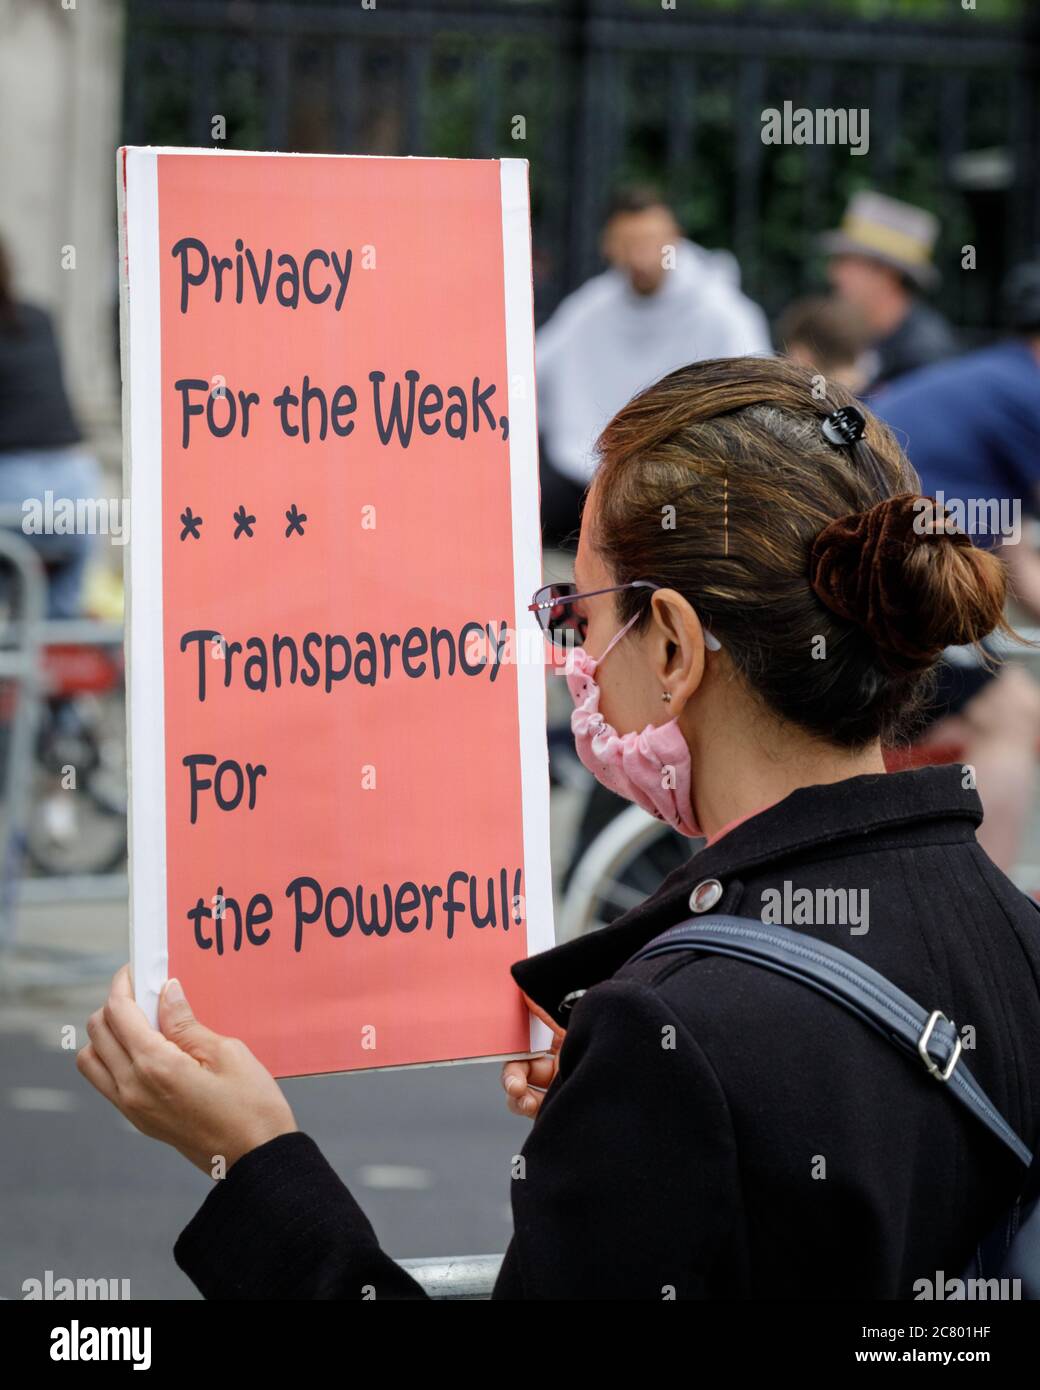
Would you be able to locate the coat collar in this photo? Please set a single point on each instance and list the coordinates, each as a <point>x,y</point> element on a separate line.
<point>809,818</point>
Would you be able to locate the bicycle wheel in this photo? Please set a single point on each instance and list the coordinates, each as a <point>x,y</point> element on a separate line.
<point>80,829</point>
<point>625,863</point>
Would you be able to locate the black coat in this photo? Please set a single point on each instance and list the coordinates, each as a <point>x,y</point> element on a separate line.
<point>716,1129</point>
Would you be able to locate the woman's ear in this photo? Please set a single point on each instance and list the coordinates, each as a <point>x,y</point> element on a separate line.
<point>677,648</point>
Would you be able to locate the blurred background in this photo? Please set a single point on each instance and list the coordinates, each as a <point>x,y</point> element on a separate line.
<point>596,94</point>
<point>611,91</point>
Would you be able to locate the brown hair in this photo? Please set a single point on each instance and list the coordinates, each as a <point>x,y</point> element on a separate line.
<point>717,482</point>
<point>634,197</point>
<point>832,331</point>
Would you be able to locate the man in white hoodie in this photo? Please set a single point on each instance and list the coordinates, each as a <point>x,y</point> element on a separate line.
<point>664,302</point>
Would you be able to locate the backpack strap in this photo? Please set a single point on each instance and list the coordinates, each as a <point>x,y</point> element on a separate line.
<point>929,1035</point>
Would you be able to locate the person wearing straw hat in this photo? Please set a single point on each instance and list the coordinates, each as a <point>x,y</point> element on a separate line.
<point>880,260</point>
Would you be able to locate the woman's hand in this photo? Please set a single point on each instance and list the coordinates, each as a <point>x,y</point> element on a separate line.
<point>526,1082</point>
<point>204,1094</point>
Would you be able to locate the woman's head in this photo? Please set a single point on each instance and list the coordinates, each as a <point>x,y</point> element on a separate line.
<point>716,484</point>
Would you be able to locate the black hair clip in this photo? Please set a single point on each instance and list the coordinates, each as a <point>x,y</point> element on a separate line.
<point>846,426</point>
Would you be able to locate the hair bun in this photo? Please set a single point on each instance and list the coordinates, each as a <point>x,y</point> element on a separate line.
<point>859,569</point>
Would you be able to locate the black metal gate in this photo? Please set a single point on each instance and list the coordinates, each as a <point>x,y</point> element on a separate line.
<point>597,91</point>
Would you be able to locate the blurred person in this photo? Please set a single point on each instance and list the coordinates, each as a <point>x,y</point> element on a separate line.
<point>971,428</point>
<point>41,444</point>
<point>663,302</point>
<point>828,335</point>
<point>880,260</point>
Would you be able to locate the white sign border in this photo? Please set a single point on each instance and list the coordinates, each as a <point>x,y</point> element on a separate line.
<point>527,566</point>
<point>145,665</point>
<point>143,560</point>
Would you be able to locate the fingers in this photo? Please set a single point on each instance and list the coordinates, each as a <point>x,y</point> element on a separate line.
<point>519,1100</point>
<point>108,1047</point>
<point>92,1065</point>
<point>180,1026</point>
<point>121,984</point>
<point>520,1081</point>
<point>541,1071</point>
<point>175,1013</point>
<point>125,1017</point>
<point>514,1078</point>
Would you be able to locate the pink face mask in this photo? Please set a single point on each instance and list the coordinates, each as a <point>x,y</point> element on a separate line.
<point>652,768</point>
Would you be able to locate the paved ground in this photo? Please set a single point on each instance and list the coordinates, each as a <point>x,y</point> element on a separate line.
<point>84,1194</point>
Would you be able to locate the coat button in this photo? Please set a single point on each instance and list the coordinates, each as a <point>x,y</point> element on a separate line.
<point>569,1000</point>
<point>705,895</point>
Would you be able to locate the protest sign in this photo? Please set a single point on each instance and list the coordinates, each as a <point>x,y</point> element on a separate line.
<point>339,789</point>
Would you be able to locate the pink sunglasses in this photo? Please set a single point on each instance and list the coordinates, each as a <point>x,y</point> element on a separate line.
<point>551,605</point>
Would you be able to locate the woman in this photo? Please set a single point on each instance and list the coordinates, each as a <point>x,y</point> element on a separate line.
<point>41,448</point>
<point>757,600</point>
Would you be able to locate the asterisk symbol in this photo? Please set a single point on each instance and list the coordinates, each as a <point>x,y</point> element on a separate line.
<point>295,520</point>
<point>243,522</point>
<point>191,525</point>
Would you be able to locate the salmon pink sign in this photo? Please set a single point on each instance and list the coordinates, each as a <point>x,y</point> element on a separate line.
<point>339,790</point>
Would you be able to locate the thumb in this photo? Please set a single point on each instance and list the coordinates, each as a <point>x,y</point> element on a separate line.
<point>179,1024</point>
